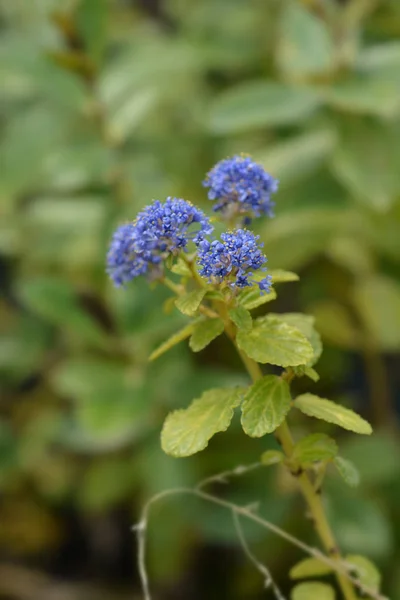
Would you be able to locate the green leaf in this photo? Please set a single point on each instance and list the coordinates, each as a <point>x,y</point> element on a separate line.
<point>252,297</point>
<point>281,276</point>
<point>329,411</point>
<point>260,103</point>
<point>313,591</point>
<point>335,324</point>
<point>305,324</point>
<point>272,457</point>
<point>55,300</point>
<point>91,19</point>
<point>365,571</point>
<point>189,430</point>
<point>373,177</point>
<point>125,118</point>
<point>377,299</point>
<point>241,317</point>
<point>305,46</point>
<point>189,303</point>
<point>309,567</point>
<point>298,157</point>
<point>181,268</point>
<point>366,94</point>
<point>275,342</point>
<point>106,483</point>
<point>204,333</point>
<point>315,447</point>
<point>348,471</point>
<point>265,406</point>
<point>302,370</point>
<point>177,337</point>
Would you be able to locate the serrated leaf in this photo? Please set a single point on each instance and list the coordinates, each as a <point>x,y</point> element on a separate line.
<point>272,457</point>
<point>365,571</point>
<point>329,411</point>
<point>275,342</point>
<point>260,103</point>
<point>176,338</point>
<point>204,333</point>
<point>315,447</point>
<point>305,324</point>
<point>189,303</point>
<point>347,470</point>
<point>241,317</point>
<point>281,276</point>
<point>265,406</point>
<point>189,430</point>
<point>313,591</point>
<point>252,297</point>
<point>181,268</point>
<point>309,567</point>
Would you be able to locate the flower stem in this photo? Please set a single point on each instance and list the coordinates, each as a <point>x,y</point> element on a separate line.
<point>312,498</point>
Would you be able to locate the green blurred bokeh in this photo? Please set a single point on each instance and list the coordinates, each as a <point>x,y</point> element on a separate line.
<point>106,105</point>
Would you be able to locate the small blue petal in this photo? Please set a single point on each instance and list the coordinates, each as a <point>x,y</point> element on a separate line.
<point>160,229</point>
<point>241,186</point>
<point>232,259</point>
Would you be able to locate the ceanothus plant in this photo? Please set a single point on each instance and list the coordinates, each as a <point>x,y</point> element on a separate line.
<point>217,282</point>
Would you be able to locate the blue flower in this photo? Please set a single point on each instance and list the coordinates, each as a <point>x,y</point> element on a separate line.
<point>233,259</point>
<point>161,229</point>
<point>240,186</point>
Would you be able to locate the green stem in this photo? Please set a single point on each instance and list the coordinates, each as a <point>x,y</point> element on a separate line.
<point>312,498</point>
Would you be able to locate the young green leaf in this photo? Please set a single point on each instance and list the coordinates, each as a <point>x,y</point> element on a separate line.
<point>272,457</point>
<point>204,333</point>
<point>348,471</point>
<point>181,268</point>
<point>281,276</point>
<point>265,406</point>
<point>252,298</point>
<point>177,337</point>
<point>302,370</point>
<point>241,317</point>
<point>309,567</point>
<point>329,411</point>
<point>189,303</point>
<point>315,447</point>
<point>365,571</point>
<point>275,342</point>
<point>313,591</point>
<point>189,430</point>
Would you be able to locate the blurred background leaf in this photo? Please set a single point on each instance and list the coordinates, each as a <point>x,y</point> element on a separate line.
<point>105,105</point>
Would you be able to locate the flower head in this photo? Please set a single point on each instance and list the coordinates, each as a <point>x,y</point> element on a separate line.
<point>233,259</point>
<point>241,186</point>
<point>139,248</point>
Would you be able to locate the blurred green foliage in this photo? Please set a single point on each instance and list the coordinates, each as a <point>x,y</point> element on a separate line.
<point>108,104</point>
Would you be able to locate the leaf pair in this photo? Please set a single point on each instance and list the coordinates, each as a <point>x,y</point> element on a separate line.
<point>264,408</point>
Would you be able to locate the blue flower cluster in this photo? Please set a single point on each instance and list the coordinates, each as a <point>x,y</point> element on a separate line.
<point>139,248</point>
<point>233,259</point>
<point>240,186</point>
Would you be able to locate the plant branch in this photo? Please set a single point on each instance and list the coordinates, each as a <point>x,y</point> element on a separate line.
<point>141,529</point>
<point>312,498</point>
